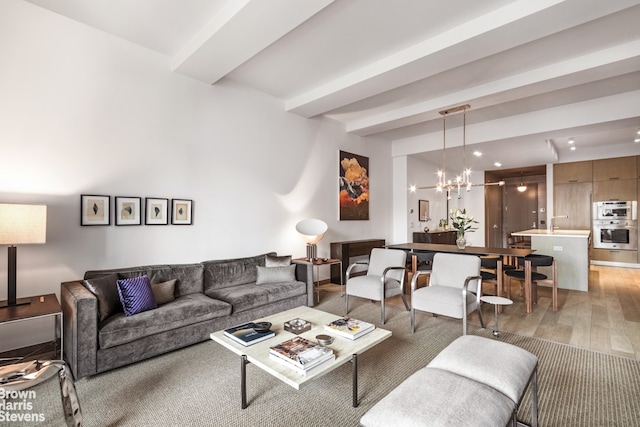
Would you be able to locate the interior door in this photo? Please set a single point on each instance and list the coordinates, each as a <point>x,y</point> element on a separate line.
<point>493,216</point>
<point>520,208</point>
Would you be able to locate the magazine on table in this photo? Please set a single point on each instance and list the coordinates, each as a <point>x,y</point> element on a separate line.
<point>301,352</point>
<point>246,335</point>
<point>302,371</point>
<point>350,328</point>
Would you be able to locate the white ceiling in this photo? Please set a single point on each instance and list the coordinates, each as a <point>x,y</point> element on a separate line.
<point>535,73</point>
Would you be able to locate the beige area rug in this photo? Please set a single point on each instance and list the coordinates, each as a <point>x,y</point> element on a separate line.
<point>199,385</point>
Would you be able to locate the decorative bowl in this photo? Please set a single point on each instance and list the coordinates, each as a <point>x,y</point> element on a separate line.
<point>261,326</point>
<point>324,339</point>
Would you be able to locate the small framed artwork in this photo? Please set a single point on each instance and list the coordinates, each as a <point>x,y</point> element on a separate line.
<point>156,211</point>
<point>423,210</point>
<point>181,211</point>
<point>95,210</point>
<point>128,211</point>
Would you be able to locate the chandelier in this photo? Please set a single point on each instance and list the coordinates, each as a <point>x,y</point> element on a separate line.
<point>464,179</point>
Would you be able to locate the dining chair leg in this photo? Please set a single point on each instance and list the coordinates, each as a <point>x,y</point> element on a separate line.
<point>554,289</point>
<point>527,287</point>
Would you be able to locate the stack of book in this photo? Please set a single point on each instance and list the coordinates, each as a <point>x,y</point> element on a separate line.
<point>246,335</point>
<point>301,354</point>
<point>350,328</point>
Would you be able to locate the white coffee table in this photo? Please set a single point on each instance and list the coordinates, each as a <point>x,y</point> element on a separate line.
<point>496,301</point>
<point>258,354</point>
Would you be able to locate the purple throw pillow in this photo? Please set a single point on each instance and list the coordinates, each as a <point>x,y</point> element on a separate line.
<point>136,295</point>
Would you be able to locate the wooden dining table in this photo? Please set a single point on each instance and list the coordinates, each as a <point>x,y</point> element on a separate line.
<point>502,253</point>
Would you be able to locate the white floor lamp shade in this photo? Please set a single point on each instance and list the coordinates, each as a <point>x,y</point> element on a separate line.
<point>312,231</point>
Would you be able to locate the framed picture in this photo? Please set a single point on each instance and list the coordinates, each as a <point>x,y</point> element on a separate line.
<point>354,186</point>
<point>128,211</point>
<point>181,211</point>
<point>156,211</point>
<point>95,210</point>
<point>423,210</point>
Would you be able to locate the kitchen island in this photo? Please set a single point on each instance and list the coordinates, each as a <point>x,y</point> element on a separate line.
<point>570,248</point>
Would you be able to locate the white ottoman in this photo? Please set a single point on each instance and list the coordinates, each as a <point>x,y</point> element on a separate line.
<point>473,381</point>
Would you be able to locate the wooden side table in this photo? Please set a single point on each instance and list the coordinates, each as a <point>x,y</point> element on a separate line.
<point>40,307</point>
<point>317,263</point>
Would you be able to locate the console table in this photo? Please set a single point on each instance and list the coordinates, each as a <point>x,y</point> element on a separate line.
<point>445,237</point>
<point>347,249</point>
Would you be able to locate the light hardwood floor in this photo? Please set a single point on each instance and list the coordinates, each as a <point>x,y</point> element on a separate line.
<point>605,319</point>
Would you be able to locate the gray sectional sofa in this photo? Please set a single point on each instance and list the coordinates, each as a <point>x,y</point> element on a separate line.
<point>209,296</point>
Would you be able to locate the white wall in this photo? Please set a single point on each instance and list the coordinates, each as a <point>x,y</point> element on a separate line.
<point>82,112</point>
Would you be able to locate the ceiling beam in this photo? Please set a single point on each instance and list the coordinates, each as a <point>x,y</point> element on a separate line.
<point>494,32</point>
<point>571,72</point>
<point>239,31</point>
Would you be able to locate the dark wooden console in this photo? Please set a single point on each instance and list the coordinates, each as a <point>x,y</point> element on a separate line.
<point>345,250</point>
<point>441,237</point>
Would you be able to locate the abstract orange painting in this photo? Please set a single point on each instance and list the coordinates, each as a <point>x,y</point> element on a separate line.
<point>354,186</point>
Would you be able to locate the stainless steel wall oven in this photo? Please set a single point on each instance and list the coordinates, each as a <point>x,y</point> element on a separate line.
<point>615,234</point>
<point>616,210</point>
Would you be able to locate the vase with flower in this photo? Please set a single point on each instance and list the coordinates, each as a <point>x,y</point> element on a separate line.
<point>462,222</point>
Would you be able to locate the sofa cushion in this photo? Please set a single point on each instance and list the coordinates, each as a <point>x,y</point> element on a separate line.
<point>248,297</point>
<point>105,288</point>
<point>183,311</point>
<point>164,292</point>
<point>189,277</point>
<point>221,274</point>
<point>276,274</point>
<point>277,261</point>
<point>136,295</point>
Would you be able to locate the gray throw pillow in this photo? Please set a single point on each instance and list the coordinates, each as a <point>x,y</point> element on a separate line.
<point>164,291</point>
<point>277,261</point>
<point>106,291</point>
<point>276,274</point>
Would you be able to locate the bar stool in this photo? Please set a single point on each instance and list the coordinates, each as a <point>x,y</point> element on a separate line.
<point>489,272</point>
<point>531,277</point>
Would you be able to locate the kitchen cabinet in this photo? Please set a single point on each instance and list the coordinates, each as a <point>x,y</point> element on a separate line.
<point>615,255</point>
<point>618,168</point>
<point>617,189</point>
<point>572,172</point>
<point>573,200</point>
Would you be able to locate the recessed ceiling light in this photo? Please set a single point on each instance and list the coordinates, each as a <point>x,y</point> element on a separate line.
<point>638,132</point>
<point>571,141</point>
<point>497,164</point>
<point>573,148</point>
<point>636,140</point>
<point>477,153</point>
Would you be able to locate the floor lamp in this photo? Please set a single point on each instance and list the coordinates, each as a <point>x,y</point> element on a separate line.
<point>312,231</point>
<point>20,224</point>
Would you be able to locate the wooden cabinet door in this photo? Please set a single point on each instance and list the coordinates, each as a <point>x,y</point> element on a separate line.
<point>572,172</point>
<point>573,200</point>
<point>623,189</point>
<point>615,169</point>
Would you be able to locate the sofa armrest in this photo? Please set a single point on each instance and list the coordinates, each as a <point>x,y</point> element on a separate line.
<point>304,273</point>
<point>80,328</point>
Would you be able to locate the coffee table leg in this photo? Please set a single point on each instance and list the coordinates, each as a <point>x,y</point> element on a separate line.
<point>354,362</point>
<point>496,332</point>
<point>243,380</point>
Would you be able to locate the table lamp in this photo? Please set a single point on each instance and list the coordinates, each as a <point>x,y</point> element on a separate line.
<point>20,224</point>
<point>312,231</point>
